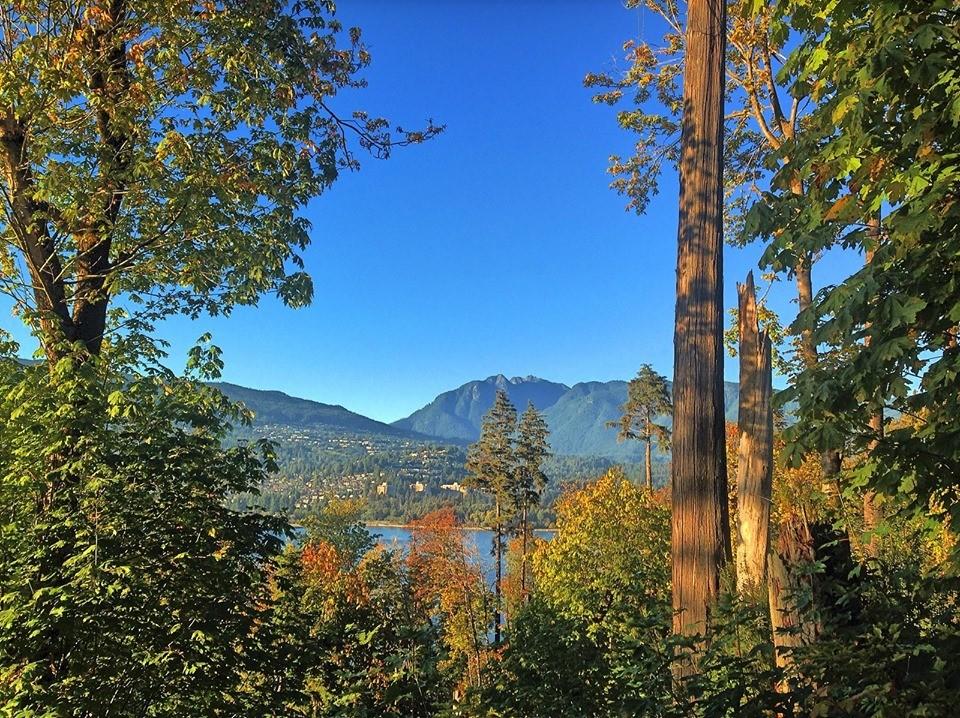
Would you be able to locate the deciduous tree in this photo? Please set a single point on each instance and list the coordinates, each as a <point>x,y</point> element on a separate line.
<point>156,156</point>
<point>882,76</point>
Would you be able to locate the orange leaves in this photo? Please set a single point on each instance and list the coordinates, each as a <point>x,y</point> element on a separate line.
<point>207,9</point>
<point>438,560</point>
<point>138,50</point>
<point>837,208</point>
<point>329,573</point>
<point>97,16</point>
<point>449,586</point>
<point>321,561</point>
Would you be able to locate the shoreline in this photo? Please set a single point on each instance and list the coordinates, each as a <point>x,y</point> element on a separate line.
<point>410,527</point>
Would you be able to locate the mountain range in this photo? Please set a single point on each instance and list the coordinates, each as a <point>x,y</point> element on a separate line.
<point>576,415</point>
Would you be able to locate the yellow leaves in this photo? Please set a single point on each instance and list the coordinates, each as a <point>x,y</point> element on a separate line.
<point>844,106</point>
<point>96,16</point>
<point>611,536</point>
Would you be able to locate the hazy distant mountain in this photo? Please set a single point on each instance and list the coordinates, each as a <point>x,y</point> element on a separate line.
<point>457,414</point>
<point>275,407</point>
<point>577,416</point>
<point>578,420</point>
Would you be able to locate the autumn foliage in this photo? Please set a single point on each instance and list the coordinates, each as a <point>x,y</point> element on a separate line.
<point>449,586</point>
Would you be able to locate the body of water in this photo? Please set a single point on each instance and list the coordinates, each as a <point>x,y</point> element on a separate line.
<point>478,542</point>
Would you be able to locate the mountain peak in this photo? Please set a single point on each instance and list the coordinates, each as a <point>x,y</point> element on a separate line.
<point>577,415</point>
<point>457,414</point>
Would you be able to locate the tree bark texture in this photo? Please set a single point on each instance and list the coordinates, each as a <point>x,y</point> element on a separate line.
<point>700,531</point>
<point>787,581</point>
<point>755,450</point>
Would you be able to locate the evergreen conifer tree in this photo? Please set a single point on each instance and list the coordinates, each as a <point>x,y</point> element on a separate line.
<point>490,465</point>
<point>647,398</point>
<point>528,478</point>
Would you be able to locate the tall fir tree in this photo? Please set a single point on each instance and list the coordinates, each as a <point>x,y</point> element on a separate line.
<point>529,479</point>
<point>647,398</point>
<point>490,467</point>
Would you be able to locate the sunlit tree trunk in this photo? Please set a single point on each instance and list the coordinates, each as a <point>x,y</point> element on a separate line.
<point>788,580</point>
<point>755,451</point>
<point>648,456</point>
<point>701,534</point>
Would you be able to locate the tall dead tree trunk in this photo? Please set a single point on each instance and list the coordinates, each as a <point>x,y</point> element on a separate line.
<point>700,532</point>
<point>755,450</point>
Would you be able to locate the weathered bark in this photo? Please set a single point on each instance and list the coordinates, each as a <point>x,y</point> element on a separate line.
<point>787,581</point>
<point>755,450</point>
<point>700,532</point>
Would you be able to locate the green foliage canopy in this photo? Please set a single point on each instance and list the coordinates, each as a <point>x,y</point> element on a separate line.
<point>885,79</point>
<point>162,151</point>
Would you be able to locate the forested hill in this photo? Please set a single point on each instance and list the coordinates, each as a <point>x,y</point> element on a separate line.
<point>275,407</point>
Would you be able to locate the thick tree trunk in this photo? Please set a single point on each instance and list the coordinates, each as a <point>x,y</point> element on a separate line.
<point>755,451</point>
<point>701,533</point>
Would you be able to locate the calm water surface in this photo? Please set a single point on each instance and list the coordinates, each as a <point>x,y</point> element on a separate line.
<point>479,542</point>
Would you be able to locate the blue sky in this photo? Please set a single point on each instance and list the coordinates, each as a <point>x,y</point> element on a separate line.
<point>497,247</point>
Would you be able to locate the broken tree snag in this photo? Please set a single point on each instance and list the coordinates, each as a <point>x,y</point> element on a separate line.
<point>701,533</point>
<point>755,450</point>
<point>790,586</point>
